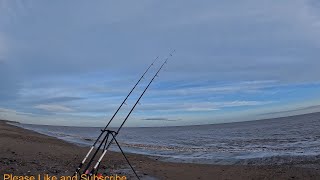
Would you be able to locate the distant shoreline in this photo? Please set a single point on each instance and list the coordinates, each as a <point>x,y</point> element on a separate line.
<point>235,122</point>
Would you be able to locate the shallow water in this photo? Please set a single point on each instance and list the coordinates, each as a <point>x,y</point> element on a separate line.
<point>266,140</point>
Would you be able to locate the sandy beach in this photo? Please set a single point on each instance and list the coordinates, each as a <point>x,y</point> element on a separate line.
<point>24,152</point>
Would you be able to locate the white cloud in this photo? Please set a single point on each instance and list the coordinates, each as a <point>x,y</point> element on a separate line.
<point>53,108</point>
<point>242,103</point>
<point>11,114</point>
<point>200,106</point>
<point>224,104</point>
<point>239,87</point>
<point>23,117</point>
<point>5,110</point>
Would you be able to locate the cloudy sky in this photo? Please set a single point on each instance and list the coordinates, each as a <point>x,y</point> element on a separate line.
<point>73,62</point>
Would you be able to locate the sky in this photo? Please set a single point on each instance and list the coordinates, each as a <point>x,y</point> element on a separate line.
<point>73,62</point>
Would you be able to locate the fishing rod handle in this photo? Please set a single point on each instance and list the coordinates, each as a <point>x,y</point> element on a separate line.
<point>98,162</point>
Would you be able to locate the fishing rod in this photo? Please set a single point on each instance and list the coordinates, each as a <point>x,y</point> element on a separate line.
<point>115,133</point>
<point>102,131</point>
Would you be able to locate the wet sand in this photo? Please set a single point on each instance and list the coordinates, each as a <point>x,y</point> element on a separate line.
<point>24,152</point>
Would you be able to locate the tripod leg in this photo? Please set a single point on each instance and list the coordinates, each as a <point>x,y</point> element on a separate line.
<point>125,156</point>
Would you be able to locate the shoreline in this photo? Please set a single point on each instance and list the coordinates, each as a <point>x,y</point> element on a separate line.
<point>25,152</point>
<point>261,157</point>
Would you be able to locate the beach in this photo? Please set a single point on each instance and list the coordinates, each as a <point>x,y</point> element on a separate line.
<point>24,152</point>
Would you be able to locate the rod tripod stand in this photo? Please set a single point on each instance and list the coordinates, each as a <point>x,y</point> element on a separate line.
<point>107,134</point>
<point>112,136</point>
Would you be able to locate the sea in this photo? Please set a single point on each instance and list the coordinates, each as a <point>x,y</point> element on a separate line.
<point>273,141</point>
